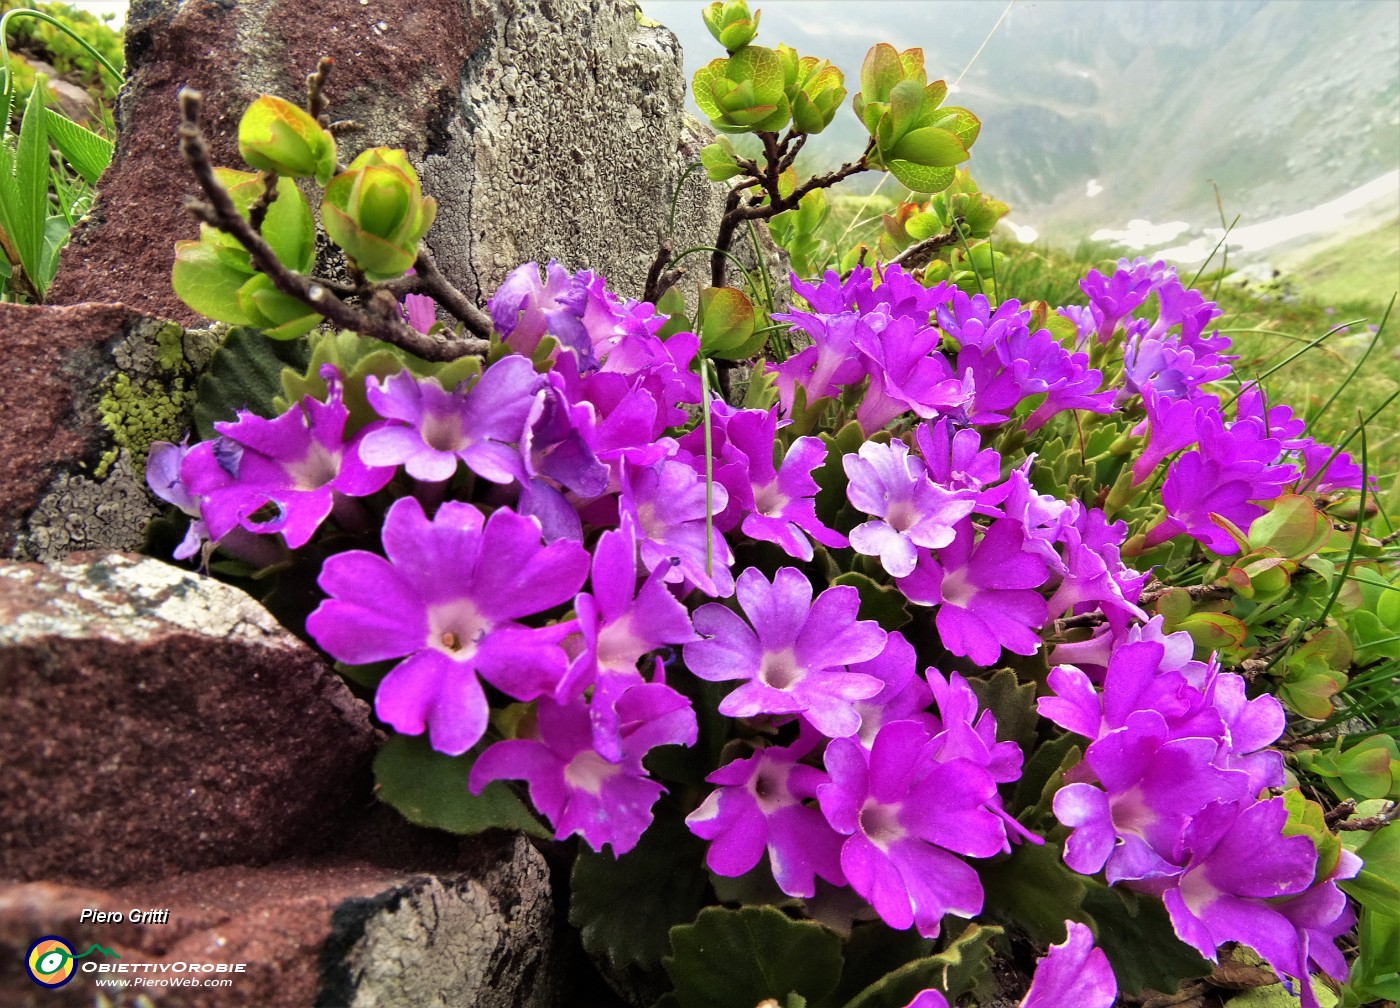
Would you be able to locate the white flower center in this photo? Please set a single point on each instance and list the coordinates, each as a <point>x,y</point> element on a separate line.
<point>880,823</point>
<point>780,669</point>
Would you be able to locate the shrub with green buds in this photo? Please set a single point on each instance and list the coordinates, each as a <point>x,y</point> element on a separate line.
<point>916,140</point>
<point>745,93</point>
<point>731,24</point>
<point>215,275</point>
<point>376,212</point>
<point>815,90</point>
<point>274,135</point>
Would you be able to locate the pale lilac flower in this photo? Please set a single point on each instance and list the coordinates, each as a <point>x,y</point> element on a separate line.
<point>448,600</point>
<point>759,807</point>
<point>907,508</point>
<point>280,475</point>
<point>163,477</point>
<point>795,654</point>
<point>985,592</point>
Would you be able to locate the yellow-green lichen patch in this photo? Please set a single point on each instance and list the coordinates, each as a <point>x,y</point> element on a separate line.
<point>137,413</point>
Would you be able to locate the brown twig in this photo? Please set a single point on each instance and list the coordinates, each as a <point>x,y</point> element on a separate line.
<point>1372,823</point>
<point>380,317</point>
<point>258,211</point>
<point>316,103</point>
<point>916,255</point>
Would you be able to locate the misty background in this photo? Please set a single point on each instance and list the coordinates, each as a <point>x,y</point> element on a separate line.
<point>1100,113</point>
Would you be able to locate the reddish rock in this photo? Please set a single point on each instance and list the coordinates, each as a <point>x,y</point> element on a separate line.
<point>67,481</point>
<point>333,932</point>
<point>159,721</point>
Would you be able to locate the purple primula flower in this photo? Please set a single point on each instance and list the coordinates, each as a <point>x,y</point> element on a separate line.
<point>667,504</point>
<point>575,788</point>
<point>955,457</point>
<point>907,816</point>
<point>419,311</point>
<point>1238,864</point>
<point>784,510</point>
<point>292,466</point>
<point>163,463</point>
<point>1073,972</point>
<point>447,600</point>
<point>795,654</point>
<point>1092,574</point>
<point>427,429</point>
<point>907,373</point>
<point>984,592</point>
<point>525,309</point>
<point>619,623</point>
<point>826,367</point>
<point>905,696</point>
<point>928,999</point>
<point>908,509</point>
<point>1113,298</point>
<point>1152,786</point>
<point>1171,425</point>
<point>1229,474</point>
<point>759,806</point>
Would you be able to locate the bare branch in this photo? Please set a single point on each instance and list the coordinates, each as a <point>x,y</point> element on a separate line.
<point>316,103</point>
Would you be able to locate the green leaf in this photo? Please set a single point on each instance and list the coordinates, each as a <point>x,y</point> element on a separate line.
<point>1293,527</point>
<point>958,970</point>
<point>1012,703</point>
<point>921,178</point>
<point>208,284</point>
<point>882,603</point>
<point>244,374</point>
<point>430,789</point>
<point>289,227</point>
<point>1043,774</point>
<point>1034,888</point>
<point>719,163</point>
<point>1137,936</point>
<point>623,908</point>
<point>880,72</point>
<point>24,181</point>
<point>745,956</point>
<point>931,148</point>
<point>88,153</point>
<point>726,322</point>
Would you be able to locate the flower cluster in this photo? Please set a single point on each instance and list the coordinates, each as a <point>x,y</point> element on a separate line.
<point>547,564</point>
<point>1167,801</point>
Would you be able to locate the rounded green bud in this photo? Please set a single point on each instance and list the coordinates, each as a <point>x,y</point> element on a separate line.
<point>730,23</point>
<point>376,212</point>
<point>274,135</point>
<point>819,92</point>
<point>743,93</point>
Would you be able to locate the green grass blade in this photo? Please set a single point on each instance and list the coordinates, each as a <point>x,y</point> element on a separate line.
<point>1357,369</point>
<point>88,153</point>
<point>24,188</point>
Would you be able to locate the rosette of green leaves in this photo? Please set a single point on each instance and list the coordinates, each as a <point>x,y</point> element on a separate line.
<point>746,93</point>
<point>815,89</point>
<point>216,277</point>
<point>376,212</point>
<point>276,136</point>
<point>731,24</point>
<point>916,139</point>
